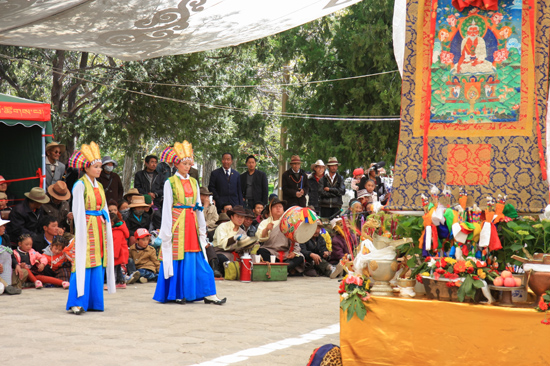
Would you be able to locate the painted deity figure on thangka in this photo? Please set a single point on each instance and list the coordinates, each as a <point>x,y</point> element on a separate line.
<point>476,64</point>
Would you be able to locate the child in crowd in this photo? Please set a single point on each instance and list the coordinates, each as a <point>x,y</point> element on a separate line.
<point>357,175</point>
<point>58,256</point>
<point>4,210</point>
<point>258,208</point>
<point>28,258</point>
<point>138,217</point>
<point>143,263</point>
<point>6,264</point>
<point>124,208</point>
<point>120,242</point>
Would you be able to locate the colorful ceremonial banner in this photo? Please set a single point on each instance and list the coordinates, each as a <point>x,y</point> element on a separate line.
<point>474,95</point>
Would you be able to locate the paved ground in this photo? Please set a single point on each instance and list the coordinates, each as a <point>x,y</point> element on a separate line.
<point>275,323</point>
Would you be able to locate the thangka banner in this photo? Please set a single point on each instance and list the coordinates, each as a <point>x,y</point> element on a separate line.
<point>473,106</point>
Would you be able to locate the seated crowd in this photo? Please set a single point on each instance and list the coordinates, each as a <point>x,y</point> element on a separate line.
<point>37,234</point>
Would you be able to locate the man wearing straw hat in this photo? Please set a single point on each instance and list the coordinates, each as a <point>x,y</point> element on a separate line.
<point>317,172</point>
<point>294,183</point>
<point>54,168</point>
<point>25,217</point>
<point>58,207</point>
<point>331,190</point>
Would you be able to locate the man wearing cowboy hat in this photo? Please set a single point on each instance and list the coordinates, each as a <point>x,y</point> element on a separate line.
<point>54,168</point>
<point>317,255</point>
<point>25,217</point>
<point>317,172</point>
<point>331,189</point>
<point>138,216</point>
<point>111,182</point>
<point>58,207</point>
<point>229,236</point>
<point>294,183</point>
<point>210,212</point>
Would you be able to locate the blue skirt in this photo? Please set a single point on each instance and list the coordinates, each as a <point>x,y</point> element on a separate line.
<point>93,290</point>
<point>193,280</point>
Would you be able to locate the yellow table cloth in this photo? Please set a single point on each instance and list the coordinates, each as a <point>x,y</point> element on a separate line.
<point>423,332</point>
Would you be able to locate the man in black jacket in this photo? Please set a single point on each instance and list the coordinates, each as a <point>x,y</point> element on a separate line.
<point>294,183</point>
<point>149,181</point>
<point>225,184</point>
<point>25,217</point>
<point>253,184</point>
<point>331,190</point>
<point>317,255</point>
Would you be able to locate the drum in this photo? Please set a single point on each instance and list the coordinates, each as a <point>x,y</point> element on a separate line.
<point>298,224</point>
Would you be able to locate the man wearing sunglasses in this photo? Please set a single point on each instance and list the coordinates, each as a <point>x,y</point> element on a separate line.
<point>54,168</point>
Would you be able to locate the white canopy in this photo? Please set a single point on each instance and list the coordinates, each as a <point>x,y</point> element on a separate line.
<point>141,29</point>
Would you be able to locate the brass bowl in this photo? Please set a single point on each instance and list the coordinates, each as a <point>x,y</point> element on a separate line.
<point>539,282</point>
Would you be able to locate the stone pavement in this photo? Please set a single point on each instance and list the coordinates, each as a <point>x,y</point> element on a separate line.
<point>262,323</point>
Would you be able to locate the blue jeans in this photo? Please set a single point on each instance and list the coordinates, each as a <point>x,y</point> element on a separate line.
<point>150,275</point>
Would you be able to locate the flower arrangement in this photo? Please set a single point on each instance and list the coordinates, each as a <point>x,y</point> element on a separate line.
<point>543,307</point>
<point>467,274</point>
<point>355,291</point>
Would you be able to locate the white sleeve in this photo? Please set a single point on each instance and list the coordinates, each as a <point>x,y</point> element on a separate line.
<point>111,285</point>
<point>79,212</point>
<point>263,224</point>
<point>166,230</point>
<point>202,224</point>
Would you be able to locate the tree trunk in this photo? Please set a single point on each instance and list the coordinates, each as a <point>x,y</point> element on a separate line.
<point>129,163</point>
<point>207,167</point>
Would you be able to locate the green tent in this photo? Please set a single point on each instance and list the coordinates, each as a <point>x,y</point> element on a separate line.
<point>25,128</point>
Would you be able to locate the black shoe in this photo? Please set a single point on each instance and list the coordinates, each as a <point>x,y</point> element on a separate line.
<point>11,290</point>
<point>214,264</point>
<point>181,301</point>
<point>216,302</point>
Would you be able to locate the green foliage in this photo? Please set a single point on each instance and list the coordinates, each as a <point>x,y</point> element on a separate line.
<point>533,235</point>
<point>356,41</point>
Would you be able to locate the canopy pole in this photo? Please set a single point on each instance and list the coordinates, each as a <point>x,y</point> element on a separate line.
<point>44,156</point>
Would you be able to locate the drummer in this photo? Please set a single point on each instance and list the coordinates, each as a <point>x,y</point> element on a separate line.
<point>273,241</point>
<point>230,239</point>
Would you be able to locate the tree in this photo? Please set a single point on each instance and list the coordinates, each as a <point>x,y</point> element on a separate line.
<point>356,41</point>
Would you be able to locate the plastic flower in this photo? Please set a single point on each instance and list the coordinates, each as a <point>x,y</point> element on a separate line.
<point>542,305</point>
<point>345,295</point>
<point>481,264</point>
<point>431,263</point>
<point>459,267</point>
<point>366,297</point>
<point>469,264</point>
<point>419,278</point>
<point>481,273</point>
<point>475,277</point>
<point>427,274</point>
<point>450,284</point>
<point>450,260</point>
<point>470,270</point>
<point>545,321</point>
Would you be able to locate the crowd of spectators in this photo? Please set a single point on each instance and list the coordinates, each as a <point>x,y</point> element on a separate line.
<point>36,233</point>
